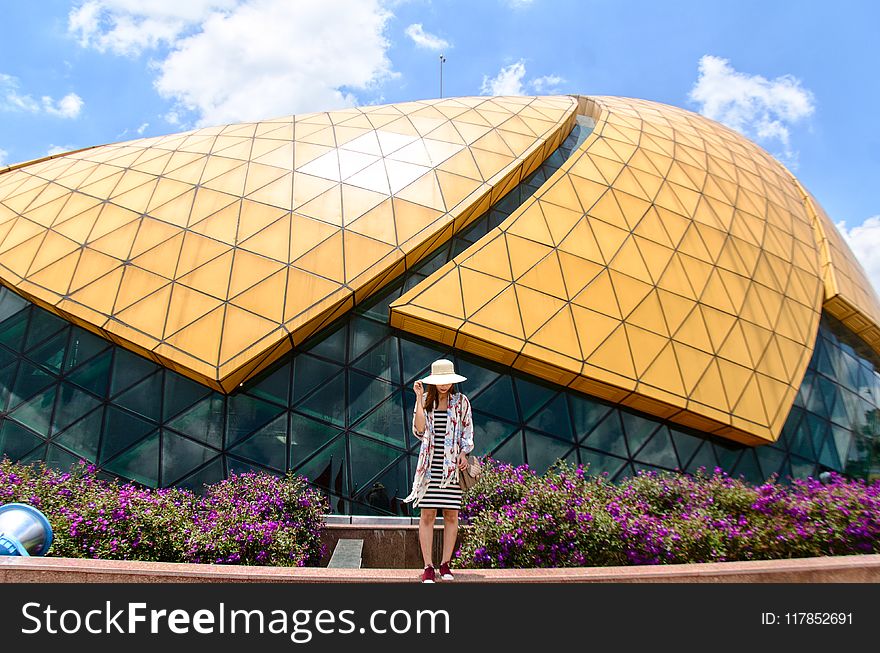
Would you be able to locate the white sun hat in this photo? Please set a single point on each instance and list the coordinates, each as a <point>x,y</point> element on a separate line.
<point>443,372</point>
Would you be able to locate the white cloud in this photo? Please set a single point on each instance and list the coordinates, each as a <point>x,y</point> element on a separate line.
<point>548,84</point>
<point>128,27</point>
<point>864,240</point>
<point>751,104</point>
<point>3,155</point>
<point>510,80</point>
<point>140,130</point>
<point>233,60</point>
<point>424,39</point>
<point>519,4</point>
<point>69,106</point>
<point>59,149</point>
<point>12,99</point>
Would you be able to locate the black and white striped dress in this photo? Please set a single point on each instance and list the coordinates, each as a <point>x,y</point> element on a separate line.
<point>435,497</point>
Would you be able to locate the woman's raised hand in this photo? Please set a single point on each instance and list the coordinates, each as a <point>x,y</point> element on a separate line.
<point>419,389</point>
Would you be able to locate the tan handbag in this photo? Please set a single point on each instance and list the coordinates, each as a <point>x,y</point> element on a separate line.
<point>467,478</point>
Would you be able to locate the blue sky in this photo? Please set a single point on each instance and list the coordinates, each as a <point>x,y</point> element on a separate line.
<point>800,78</point>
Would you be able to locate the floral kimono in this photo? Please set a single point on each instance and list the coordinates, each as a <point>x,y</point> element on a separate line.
<point>459,438</point>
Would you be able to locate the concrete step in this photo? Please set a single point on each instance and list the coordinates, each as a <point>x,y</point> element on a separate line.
<point>347,554</point>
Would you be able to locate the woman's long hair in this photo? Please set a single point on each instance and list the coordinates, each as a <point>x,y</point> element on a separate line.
<point>433,397</point>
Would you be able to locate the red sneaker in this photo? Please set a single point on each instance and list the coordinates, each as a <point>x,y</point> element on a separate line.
<point>428,574</point>
<point>445,572</point>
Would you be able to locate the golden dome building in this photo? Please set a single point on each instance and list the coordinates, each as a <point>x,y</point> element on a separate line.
<point>625,284</point>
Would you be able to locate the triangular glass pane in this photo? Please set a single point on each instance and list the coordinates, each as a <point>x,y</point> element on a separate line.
<point>83,346</point>
<point>207,475</point>
<point>608,436</point>
<point>128,369</point>
<point>841,439</point>
<point>542,451</point>
<point>685,445</point>
<point>180,456</point>
<point>433,263</point>
<point>638,429</point>
<point>368,459</point>
<point>771,460</point>
<point>307,436</point>
<point>821,358</point>
<point>36,412</point>
<point>801,468</point>
<point>749,467</point>
<point>858,460</point>
<point>122,430</point>
<point>272,385</point>
<point>6,356</point>
<point>140,463</point>
<point>84,436</point>
<point>94,375</point>
<point>819,431</point>
<point>377,306</point>
<point>511,451</point>
<point>203,422</point>
<point>532,397</point>
<point>382,361</point>
<point>825,390</point>
<point>12,330</point>
<point>417,359</point>
<point>328,344</point>
<point>42,325</point>
<point>658,451</point>
<point>180,393</point>
<point>72,404</point>
<point>50,354</point>
<point>498,399</point>
<point>554,419</point>
<point>244,415</point>
<point>364,333</point>
<point>386,493</point>
<point>386,423</point>
<point>489,433</point>
<point>364,393</point>
<point>328,402</point>
<point>143,398</point>
<point>328,469</point>
<point>478,376</point>
<point>789,429</point>
<point>309,373</point>
<point>34,455</point>
<point>16,441</point>
<point>802,441</point>
<point>267,446</point>
<point>625,472</point>
<point>599,463</point>
<point>10,304</point>
<point>586,413</point>
<point>704,457</point>
<point>727,454</point>
<point>838,411</point>
<point>60,458</point>
<point>28,382</point>
<point>7,379</point>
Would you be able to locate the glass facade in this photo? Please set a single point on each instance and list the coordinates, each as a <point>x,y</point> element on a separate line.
<point>337,410</point>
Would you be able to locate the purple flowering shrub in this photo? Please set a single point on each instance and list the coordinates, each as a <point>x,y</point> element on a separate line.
<point>247,519</point>
<point>567,518</point>
<point>261,519</point>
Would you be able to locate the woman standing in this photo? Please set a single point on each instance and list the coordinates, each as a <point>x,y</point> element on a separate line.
<point>442,421</point>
